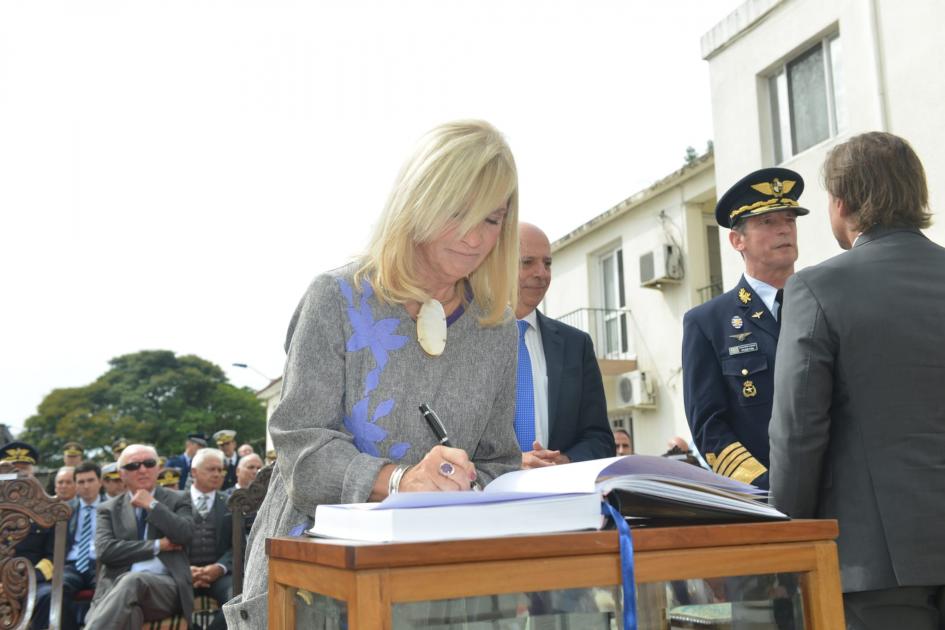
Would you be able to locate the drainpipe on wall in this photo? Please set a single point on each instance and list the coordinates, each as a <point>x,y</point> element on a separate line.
<point>880,74</point>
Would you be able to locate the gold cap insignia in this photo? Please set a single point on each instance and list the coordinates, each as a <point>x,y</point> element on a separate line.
<point>748,390</point>
<point>15,455</point>
<point>774,188</point>
<point>744,296</point>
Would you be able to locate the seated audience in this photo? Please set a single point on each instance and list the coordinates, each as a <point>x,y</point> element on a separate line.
<point>65,483</point>
<point>210,551</point>
<point>111,480</point>
<point>624,442</point>
<point>139,540</point>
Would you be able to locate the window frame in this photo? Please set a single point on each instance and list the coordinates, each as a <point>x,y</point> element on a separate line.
<point>780,114</point>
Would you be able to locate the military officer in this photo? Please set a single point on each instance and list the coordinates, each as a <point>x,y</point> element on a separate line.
<point>169,478</point>
<point>118,446</point>
<point>37,547</point>
<point>729,342</point>
<point>195,442</point>
<point>226,442</point>
<point>111,480</point>
<point>72,454</point>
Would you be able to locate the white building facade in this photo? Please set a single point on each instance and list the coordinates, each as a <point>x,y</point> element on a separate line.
<point>627,277</point>
<point>792,78</point>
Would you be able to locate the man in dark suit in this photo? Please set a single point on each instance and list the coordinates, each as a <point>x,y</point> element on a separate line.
<point>858,425</point>
<point>139,541</point>
<point>729,342</point>
<point>211,549</point>
<point>561,411</point>
<point>226,442</point>
<point>79,569</point>
<point>182,462</point>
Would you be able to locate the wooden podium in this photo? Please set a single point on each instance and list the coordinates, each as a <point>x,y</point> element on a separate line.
<point>368,579</point>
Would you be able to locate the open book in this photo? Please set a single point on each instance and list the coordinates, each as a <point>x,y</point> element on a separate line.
<point>551,499</point>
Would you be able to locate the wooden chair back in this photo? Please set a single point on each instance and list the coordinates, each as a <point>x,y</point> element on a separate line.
<point>244,503</point>
<point>23,502</point>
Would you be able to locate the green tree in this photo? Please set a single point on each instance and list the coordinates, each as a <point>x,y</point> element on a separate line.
<point>150,396</point>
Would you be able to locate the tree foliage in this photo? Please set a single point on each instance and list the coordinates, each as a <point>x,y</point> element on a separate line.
<point>150,396</point>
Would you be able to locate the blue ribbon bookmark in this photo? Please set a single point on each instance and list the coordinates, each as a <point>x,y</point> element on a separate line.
<point>626,566</point>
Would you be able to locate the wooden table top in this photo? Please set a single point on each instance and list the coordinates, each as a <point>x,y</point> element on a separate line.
<point>346,554</point>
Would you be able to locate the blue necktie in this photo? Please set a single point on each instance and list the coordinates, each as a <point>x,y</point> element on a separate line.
<point>82,559</point>
<point>142,522</point>
<point>524,394</point>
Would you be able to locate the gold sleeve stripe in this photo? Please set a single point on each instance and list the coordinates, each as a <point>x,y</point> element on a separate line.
<point>45,567</point>
<point>737,462</point>
<point>733,463</point>
<point>722,459</point>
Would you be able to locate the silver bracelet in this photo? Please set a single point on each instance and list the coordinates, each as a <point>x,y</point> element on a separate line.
<point>393,484</point>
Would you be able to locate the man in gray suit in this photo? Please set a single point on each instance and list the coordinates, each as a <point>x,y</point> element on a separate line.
<point>211,547</point>
<point>139,540</point>
<point>858,424</point>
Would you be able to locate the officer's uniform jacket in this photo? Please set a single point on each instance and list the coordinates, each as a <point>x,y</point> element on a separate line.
<point>728,352</point>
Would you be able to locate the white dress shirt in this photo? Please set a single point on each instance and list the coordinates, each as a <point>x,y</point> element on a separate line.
<point>536,353</point>
<point>73,554</point>
<point>766,292</point>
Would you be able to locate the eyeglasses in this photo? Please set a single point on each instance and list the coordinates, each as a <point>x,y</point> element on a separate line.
<point>133,466</point>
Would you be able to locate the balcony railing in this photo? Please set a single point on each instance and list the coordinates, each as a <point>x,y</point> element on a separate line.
<point>609,330</point>
<point>709,291</point>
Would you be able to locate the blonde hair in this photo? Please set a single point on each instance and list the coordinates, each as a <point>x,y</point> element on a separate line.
<point>461,172</point>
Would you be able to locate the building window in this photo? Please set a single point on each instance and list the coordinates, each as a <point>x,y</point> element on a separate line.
<point>614,300</point>
<point>807,99</point>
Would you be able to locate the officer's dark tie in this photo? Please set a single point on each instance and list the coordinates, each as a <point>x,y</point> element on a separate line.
<point>778,297</point>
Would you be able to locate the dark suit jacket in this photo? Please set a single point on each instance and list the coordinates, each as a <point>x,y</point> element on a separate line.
<point>117,546</point>
<point>229,480</point>
<point>221,517</point>
<point>728,382</point>
<point>858,426</point>
<point>180,462</point>
<point>577,409</point>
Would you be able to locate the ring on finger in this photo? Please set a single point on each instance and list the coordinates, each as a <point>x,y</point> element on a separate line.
<point>446,469</point>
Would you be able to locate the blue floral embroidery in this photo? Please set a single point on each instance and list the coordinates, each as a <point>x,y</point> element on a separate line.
<point>379,337</point>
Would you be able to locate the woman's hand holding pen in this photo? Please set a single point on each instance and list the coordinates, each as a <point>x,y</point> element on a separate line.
<point>442,468</point>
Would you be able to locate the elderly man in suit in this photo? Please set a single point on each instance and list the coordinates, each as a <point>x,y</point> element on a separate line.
<point>139,541</point>
<point>560,408</point>
<point>211,548</point>
<point>858,425</point>
<point>729,342</point>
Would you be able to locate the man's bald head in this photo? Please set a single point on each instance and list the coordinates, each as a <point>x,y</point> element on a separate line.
<point>534,271</point>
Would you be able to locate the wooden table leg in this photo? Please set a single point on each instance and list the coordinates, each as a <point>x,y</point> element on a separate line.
<point>823,601</point>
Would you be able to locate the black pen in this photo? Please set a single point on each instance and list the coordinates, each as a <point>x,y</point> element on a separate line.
<point>436,425</point>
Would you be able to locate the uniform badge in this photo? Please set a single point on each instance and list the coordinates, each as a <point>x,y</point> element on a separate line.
<point>740,336</point>
<point>748,390</point>
<point>758,314</point>
<point>744,296</point>
<point>737,322</point>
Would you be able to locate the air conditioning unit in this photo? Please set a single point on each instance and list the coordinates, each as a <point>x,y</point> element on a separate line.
<point>634,390</point>
<point>663,264</point>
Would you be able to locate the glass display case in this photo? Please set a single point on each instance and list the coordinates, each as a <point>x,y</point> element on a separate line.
<point>778,576</point>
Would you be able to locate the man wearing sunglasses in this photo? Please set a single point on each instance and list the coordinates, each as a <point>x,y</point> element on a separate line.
<point>139,539</point>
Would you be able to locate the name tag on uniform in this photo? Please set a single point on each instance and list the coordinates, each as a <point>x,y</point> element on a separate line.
<point>742,349</point>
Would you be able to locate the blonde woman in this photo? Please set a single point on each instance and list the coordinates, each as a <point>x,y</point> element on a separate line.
<point>422,318</point>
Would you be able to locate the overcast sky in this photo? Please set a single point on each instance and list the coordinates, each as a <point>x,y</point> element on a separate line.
<point>173,174</point>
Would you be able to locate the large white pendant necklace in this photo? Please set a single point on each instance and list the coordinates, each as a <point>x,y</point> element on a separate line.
<point>431,327</point>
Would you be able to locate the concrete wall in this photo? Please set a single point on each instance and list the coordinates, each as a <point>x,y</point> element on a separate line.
<point>890,76</point>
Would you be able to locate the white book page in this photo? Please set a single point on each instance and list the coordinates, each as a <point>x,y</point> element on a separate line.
<point>567,478</point>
